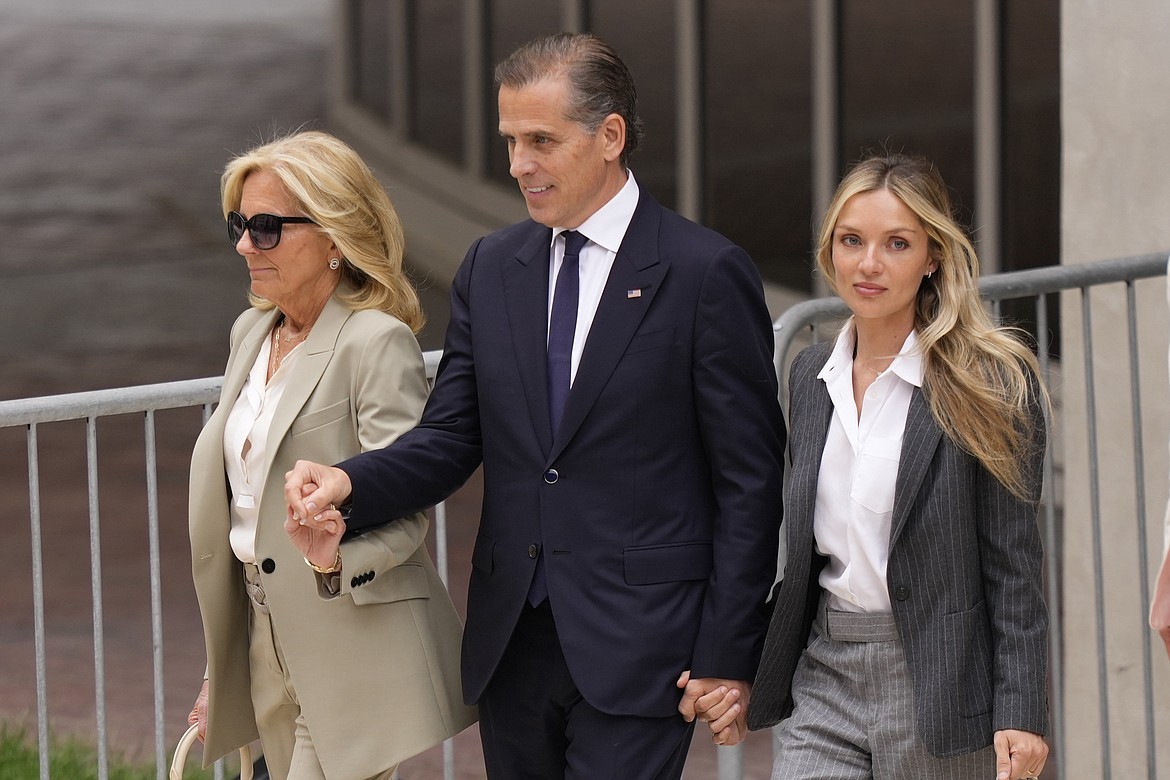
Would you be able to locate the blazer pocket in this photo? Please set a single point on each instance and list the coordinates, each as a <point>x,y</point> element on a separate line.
<point>319,417</point>
<point>405,581</point>
<point>484,555</point>
<point>661,563</point>
<point>967,638</point>
<point>655,339</point>
<point>877,474</point>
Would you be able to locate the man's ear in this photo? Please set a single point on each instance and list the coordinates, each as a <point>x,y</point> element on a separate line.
<point>613,136</point>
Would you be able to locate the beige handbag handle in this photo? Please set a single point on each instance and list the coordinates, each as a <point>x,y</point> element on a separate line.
<point>185,743</point>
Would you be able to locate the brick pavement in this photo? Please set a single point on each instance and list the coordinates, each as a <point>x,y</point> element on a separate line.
<point>113,272</point>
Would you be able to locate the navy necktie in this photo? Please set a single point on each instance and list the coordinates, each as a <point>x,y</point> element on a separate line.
<point>562,325</point>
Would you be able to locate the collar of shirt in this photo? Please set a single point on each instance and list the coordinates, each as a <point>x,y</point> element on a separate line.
<point>907,364</point>
<point>607,226</point>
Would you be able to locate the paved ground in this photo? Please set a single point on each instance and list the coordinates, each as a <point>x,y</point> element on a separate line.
<point>117,120</point>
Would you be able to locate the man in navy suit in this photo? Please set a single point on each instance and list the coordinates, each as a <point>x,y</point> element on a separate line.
<point>632,481</point>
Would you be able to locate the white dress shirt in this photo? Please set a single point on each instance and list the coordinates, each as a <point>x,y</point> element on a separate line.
<point>245,445</point>
<point>859,468</point>
<point>605,230</point>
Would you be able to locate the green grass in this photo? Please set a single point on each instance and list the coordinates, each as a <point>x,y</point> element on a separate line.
<point>74,760</point>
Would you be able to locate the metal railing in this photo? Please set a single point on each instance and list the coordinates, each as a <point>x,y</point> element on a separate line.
<point>807,320</point>
<point>147,400</point>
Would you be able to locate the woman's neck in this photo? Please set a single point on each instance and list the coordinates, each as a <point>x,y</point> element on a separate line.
<point>300,315</point>
<point>876,346</point>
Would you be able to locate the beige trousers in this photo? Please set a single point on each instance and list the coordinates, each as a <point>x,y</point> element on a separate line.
<point>284,735</point>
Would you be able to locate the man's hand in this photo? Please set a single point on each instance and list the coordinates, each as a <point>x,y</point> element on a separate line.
<point>309,507</point>
<point>721,704</point>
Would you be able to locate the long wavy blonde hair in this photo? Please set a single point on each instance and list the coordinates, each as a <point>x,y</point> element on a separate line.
<point>980,379</point>
<point>330,184</point>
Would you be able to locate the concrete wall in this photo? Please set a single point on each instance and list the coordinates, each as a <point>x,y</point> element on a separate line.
<point>1116,202</point>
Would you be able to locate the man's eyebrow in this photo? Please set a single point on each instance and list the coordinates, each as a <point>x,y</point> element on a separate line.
<point>542,131</point>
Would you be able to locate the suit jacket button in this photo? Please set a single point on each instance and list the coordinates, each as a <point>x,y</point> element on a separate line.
<point>268,566</point>
<point>369,576</point>
<point>533,550</point>
<point>901,593</point>
<point>551,476</point>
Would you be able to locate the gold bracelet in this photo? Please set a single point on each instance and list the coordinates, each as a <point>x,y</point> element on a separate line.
<point>336,567</point>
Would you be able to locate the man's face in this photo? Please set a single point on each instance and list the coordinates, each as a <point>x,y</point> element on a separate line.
<point>564,172</point>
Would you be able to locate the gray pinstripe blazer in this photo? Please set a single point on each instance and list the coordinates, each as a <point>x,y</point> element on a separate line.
<point>964,578</point>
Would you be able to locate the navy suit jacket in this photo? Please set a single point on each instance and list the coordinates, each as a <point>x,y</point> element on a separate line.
<point>964,576</point>
<point>657,502</point>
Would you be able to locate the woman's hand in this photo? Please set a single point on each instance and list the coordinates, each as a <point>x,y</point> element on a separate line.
<point>1160,608</point>
<point>310,489</point>
<point>317,542</point>
<point>1019,754</point>
<point>199,712</point>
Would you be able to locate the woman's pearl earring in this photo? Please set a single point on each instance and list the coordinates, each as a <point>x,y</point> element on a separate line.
<point>334,263</point>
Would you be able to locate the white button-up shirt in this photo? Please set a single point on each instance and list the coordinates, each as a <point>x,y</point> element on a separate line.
<point>245,450</point>
<point>605,230</point>
<point>859,467</point>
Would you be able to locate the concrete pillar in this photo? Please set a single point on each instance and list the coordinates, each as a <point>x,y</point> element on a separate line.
<point>1115,85</point>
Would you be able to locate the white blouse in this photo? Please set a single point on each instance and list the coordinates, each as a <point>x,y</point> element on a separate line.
<point>245,445</point>
<point>859,467</point>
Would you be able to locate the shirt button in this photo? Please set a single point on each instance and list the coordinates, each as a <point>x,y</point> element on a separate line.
<point>551,476</point>
<point>901,593</point>
<point>533,550</point>
<point>268,566</point>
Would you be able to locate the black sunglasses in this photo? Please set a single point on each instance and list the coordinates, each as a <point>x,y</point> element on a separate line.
<point>263,228</point>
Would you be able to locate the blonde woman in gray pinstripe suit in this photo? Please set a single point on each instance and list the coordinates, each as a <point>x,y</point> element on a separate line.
<point>909,634</point>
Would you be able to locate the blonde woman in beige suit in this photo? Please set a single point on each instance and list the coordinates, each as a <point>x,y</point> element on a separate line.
<point>343,667</point>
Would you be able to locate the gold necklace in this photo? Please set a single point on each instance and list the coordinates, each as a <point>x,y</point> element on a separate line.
<point>275,351</point>
<point>288,338</point>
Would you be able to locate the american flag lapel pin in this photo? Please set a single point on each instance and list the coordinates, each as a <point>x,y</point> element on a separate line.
<point>634,293</point>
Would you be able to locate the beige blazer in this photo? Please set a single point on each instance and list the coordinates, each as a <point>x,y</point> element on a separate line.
<point>376,669</point>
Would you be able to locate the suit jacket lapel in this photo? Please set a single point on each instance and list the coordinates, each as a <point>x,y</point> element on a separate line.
<point>317,351</point>
<point>919,442</point>
<point>243,359</point>
<point>811,415</point>
<point>637,266</point>
<point>210,465</point>
<point>525,281</point>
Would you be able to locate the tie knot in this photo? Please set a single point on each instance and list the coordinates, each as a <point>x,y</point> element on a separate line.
<point>573,242</point>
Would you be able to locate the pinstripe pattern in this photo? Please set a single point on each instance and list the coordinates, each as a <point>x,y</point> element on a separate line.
<point>854,715</point>
<point>856,626</point>
<point>964,580</point>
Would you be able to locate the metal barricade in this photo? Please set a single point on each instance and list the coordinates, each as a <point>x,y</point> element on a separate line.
<point>806,321</point>
<point>148,400</point>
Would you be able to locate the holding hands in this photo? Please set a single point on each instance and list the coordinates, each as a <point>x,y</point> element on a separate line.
<point>314,524</point>
<point>721,704</point>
